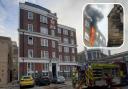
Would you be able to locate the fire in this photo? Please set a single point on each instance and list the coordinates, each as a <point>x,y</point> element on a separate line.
<point>92,36</point>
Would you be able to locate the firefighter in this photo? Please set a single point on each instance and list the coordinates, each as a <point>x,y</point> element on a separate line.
<point>74,77</point>
<point>89,77</point>
<point>108,80</point>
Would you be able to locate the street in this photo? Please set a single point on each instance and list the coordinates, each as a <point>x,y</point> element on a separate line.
<point>66,85</point>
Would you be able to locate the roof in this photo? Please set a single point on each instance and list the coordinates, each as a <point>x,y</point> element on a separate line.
<point>37,6</point>
<point>66,27</point>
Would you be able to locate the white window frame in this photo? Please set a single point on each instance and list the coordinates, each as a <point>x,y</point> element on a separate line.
<point>44,54</point>
<point>30,15</point>
<point>59,30</point>
<point>53,44</point>
<point>53,54</point>
<point>65,31</point>
<point>60,48</point>
<point>72,41</point>
<point>73,50</point>
<point>52,24</point>
<point>66,40</point>
<point>53,32</point>
<point>30,27</point>
<point>43,19</point>
<point>67,58</point>
<point>72,33</point>
<point>44,42</point>
<point>66,49</point>
<point>73,58</point>
<point>60,57</point>
<point>30,42</point>
<point>30,50</point>
<point>44,30</point>
<point>46,66</point>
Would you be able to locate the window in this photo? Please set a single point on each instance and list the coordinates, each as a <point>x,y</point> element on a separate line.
<point>30,15</point>
<point>59,39</point>
<point>29,67</point>
<point>65,32</point>
<point>65,40</point>
<point>44,30</point>
<point>30,40</point>
<point>73,58</point>
<point>73,50</point>
<point>44,42</point>
<point>72,41</point>
<point>60,57</point>
<point>43,19</point>
<point>53,32</point>
<point>66,49</point>
<point>44,54</point>
<point>53,55</point>
<point>67,58</point>
<point>30,53</point>
<point>72,33</point>
<point>60,48</point>
<point>52,24</point>
<point>53,44</point>
<point>59,30</point>
<point>46,66</point>
<point>30,27</point>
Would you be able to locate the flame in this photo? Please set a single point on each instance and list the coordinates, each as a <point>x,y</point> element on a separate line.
<point>92,36</point>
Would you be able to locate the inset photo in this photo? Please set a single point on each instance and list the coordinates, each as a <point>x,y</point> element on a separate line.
<point>103,25</point>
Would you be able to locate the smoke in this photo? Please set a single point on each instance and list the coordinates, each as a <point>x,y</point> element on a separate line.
<point>93,13</point>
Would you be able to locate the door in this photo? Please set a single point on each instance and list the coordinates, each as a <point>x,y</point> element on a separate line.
<point>54,70</point>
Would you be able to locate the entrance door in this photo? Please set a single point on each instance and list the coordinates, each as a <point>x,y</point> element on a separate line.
<point>54,70</point>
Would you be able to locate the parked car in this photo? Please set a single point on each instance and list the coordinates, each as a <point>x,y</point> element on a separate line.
<point>42,80</point>
<point>59,79</point>
<point>27,81</point>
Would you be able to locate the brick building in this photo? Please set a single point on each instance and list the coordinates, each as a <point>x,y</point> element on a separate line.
<point>67,49</point>
<point>39,41</point>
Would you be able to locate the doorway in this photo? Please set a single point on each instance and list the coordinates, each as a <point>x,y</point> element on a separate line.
<point>54,70</point>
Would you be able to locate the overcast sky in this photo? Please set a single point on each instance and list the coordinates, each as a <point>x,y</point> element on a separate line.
<point>69,13</point>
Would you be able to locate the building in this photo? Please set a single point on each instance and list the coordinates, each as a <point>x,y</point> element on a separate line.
<point>5,60</point>
<point>67,49</point>
<point>91,34</point>
<point>39,41</point>
<point>115,26</point>
<point>90,55</point>
<point>15,61</point>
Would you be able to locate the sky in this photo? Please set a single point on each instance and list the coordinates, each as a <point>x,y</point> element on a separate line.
<point>69,12</point>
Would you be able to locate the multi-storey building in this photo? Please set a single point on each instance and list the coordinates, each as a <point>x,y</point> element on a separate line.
<point>90,55</point>
<point>39,41</point>
<point>67,49</point>
<point>91,34</point>
<point>115,26</point>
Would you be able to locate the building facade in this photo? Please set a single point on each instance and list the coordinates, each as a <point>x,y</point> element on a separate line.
<point>115,26</point>
<point>67,50</point>
<point>90,55</point>
<point>5,60</point>
<point>39,41</point>
<point>91,34</point>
